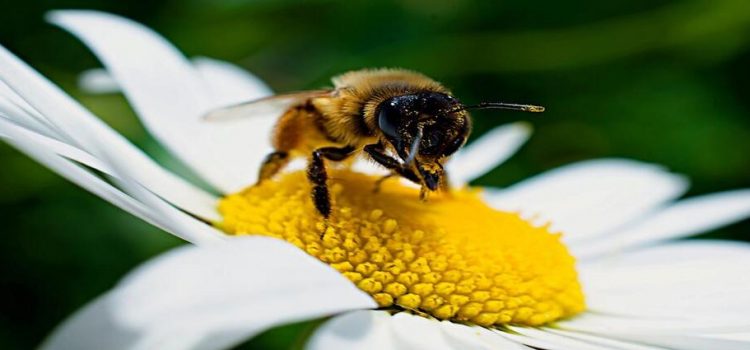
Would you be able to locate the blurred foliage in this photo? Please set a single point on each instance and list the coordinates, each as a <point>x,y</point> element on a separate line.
<point>662,81</point>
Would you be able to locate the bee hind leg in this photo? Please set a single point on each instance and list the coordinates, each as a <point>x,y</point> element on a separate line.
<point>316,173</point>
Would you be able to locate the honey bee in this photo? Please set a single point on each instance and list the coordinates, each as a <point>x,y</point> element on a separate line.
<point>403,120</point>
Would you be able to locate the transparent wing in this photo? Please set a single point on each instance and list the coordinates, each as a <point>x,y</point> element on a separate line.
<point>266,106</point>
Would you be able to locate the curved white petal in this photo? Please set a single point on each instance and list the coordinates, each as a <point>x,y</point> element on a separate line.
<point>602,340</point>
<point>685,218</point>
<point>229,84</point>
<point>136,199</point>
<point>213,297</point>
<point>178,222</point>
<point>13,131</point>
<point>97,81</point>
<point>680,295</point>
<point>15,108</point>
<point>81,177</point>
<point>379,330</point>
<point>689,342</point>
<point>734,336</point>
<point>556,341</point>
<point>92,327</point>
<point>363,330</point>
<point>590,198</point>
<point>41,147</point>
<point>534,343</point>
<point>569,340</point>
<point>472,337</point>
<point>710,277</point>
<point>650,335</point>
<point>487,152</point>
<point>13,114</point>
<point>92,135</point>
<point>171,97</point>
<point>416,332</point>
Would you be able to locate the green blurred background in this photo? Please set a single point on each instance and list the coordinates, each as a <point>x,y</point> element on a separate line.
<point>661,81</point>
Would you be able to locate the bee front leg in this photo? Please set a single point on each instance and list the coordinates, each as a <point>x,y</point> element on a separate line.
<point>423,193</point>
<point>316,173</point>
<point>377,153</point>
<point>379,182</point>
<point>445,184</point>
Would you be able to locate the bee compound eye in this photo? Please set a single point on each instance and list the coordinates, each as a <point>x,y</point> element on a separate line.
<point>389,119</point>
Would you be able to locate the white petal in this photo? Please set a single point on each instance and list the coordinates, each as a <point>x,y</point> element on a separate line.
<point>534,343</point>
<point>13,114</point>
<point>176,221</point>
<point>380,330</point>
<point>690,342</point>
<point>171,97</point>
<point>228,83</point>
<point>92,327</point>
<point>487,152</point>
<point>684,218</point>
<point>13,131</point>
<point>249,284</point>
<point>97,81</point>
<point>735,336</point>
<point>416,332</point>
<point>86,180</point>
<point>87,131</point>
<point>679,295</point>
<point>611,325</point>
<point>362,330</point>
<point>710,278</point>
<point>652,341</point>
<point>556,341</point>
<point>474,337</point>
<point>168,217</point>
<point>591,198</point>
<point>602,340</point>
<point>686,341</point>
<point>15,108</point>
<point>216,296</point>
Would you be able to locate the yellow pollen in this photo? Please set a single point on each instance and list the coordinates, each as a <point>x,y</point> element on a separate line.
<point>453,257</point>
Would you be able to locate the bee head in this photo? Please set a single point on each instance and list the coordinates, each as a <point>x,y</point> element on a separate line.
<point>425,126</point>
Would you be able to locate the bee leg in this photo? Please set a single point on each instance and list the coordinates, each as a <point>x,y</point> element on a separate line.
<point>380,181</point>
<point>316,173</point>
<point>377,153</point>
<point>445,185</point>
<point>273,163</point>
<point>423,193</point>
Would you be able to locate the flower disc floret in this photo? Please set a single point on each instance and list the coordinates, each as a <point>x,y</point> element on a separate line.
<point>452,257</point>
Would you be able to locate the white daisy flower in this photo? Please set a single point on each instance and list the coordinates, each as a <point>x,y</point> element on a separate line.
<point>392,272</point>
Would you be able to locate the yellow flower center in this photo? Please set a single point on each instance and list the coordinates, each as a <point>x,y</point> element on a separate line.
<point>453,257</point>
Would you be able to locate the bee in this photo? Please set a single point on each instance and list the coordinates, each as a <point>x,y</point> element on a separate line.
<point>403,120</point>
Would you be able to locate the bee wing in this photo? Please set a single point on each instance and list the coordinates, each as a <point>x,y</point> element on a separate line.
<point>266,106</point>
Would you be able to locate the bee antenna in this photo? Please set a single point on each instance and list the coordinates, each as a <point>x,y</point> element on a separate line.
<point>501,105</point>
<point>414,147</point>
